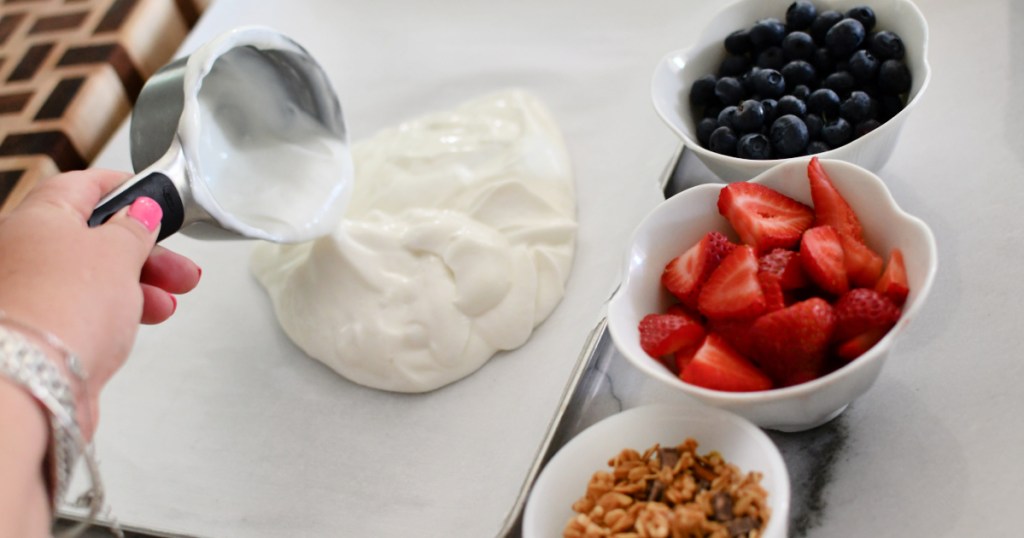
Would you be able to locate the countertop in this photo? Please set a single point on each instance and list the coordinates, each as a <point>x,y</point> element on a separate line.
<point>930,450</point>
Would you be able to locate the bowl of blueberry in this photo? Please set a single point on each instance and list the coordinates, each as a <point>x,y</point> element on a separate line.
<point>771,80</point>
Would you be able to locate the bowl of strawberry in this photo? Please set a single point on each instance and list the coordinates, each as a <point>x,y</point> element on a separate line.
<point>773,80</point>
<point>778,298</point>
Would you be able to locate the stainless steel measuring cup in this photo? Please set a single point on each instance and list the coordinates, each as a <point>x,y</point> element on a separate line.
<point>243,137</point>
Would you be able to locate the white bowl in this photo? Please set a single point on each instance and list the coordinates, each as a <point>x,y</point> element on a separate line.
<point>679,222</point>
<point>670,86</point>
<point>564,479</point>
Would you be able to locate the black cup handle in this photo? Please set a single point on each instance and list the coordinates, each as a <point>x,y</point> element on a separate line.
<point>156,186</point>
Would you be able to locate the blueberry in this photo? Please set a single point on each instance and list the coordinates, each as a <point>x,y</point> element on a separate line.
<point>798,72</point>
<point>767,33</point>
<point>704,130</point>
<point>863,65</point>
<point>738,42</point>
<point>754,146</point>
<point>817,146</point>
<point>788,136</point>
<point>727,117</point>
<point>814,124</point>
<point>729,90</point>
<point>769,107</point>
<point>791,105</point>
<point>749,116</point>
<point>723,140</point>
<point>768,83</point>
<point>844,37</point>
<point>886,45</point>
<point>837,132</point>
<point>822,61</point>
<point>801,92</point>
<point>733,65</point>
<point>823,101</point>
<point>841,82</point>
<point>798,46</point>
<point>771,58</point>
<point>865,127</point>
<point>893,77</point>
<point>747,79</point>
<point>800,15</point>
<point>713,110</point>
<point>702,91</point>
<point>889,106</point>
<point>865,15</point>
<point>858,107</point>
<point>823,23</point>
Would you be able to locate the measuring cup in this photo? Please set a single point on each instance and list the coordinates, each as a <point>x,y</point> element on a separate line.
<point>244,137</point>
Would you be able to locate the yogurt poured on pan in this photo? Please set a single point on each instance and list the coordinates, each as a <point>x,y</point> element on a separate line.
<point>457,242</point>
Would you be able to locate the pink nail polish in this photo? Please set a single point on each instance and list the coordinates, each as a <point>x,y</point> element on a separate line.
<point>146,211</point>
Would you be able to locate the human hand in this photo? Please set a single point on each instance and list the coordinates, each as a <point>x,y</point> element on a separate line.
<point>90,287</point>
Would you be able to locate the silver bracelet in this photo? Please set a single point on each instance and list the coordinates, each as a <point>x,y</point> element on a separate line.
<point>28,366</point>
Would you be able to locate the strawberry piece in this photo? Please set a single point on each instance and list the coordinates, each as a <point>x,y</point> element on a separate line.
<point>863,266</point>
<point>858,345</point>
<point>784,264</point>
<point>764,218</point>
<point>717,366</point>
<point>821,254</point>
<point>736,332</point>
<point>684,275</point>
<point>830,208</point>
<point>732,290</point>
<point>772,290</point>
<point>663,334</point>
<point>791,344</point>
<point>893,282</point>
<point>861,310</point>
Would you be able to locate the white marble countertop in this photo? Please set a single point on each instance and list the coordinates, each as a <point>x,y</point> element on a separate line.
<point>930,450</point>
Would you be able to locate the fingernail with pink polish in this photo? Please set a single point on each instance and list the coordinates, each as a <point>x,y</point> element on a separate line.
<point>146,211</point>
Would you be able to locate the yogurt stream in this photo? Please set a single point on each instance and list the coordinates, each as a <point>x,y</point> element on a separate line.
<point>457,242</point>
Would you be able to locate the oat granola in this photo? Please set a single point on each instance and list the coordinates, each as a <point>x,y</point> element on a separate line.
<point>670,492</point>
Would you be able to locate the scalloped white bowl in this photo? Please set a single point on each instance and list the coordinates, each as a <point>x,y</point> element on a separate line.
<point>670,85</point>
<point>564,479</point>
<point>679,222</point>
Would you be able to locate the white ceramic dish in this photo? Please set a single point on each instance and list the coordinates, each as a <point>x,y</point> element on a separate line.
<point>670,86</point>
<point>564,479</point>
<point>679,222</point>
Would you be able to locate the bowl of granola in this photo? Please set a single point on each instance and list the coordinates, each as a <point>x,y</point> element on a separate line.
<point>690,469</point>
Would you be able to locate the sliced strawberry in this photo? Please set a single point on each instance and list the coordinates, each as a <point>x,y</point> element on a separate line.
<point>732,290</point>
<point>861,310</point>
<point>863,266</point>
<point>791,344</point>
<point>784,264</point>
<point>718,366</point>
<point>736,332</point>
<point>821,254</point>
<point>893,282</point>
<point>772,290</point>
<point>684,275</point>
<point>830,208</point>
<point>764,218</point>
<point>858,345</point>
<point>662,334</point>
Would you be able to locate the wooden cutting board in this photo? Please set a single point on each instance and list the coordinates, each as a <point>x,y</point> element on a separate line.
<point>69,73</point>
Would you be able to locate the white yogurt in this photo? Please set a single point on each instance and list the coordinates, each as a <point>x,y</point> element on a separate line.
<point>457,242</point>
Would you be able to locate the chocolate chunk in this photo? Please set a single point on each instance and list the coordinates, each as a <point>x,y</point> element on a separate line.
<point>655,491</point>
<point>669,457</point>
<point>722,503</point>
<point>741,526</point>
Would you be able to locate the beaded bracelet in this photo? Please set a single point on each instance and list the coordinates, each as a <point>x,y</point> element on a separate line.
<point>26,364</point>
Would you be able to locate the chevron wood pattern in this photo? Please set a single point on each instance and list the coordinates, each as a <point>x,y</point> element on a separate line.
<point>69,73</point>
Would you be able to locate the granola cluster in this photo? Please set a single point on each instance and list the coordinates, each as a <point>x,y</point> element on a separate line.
<point>670,492</point>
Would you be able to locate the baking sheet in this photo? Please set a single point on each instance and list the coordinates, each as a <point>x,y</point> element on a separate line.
<point>219,426</point>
